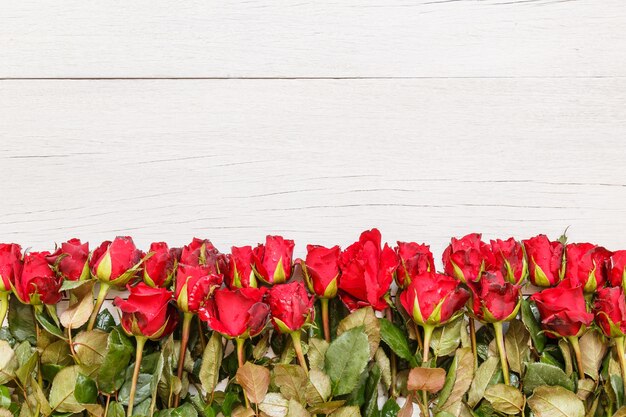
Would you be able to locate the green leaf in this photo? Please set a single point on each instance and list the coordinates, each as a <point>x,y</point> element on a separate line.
<point>185,410</point>
<point>22,321</point>
<point>396,340</point>
<point>370,408</point>
<point>62,392</point>
<point>555,402</point>
<point>592,349</point>
<point>290,379</point>
<point>317,353</point>
<point>211,362</point>
<point>446,339</point>
<point>538,374</point>
<point>516,345</point>
<point>27,359</point>
<point>48,325</point>
<point>85,390</point>
<point>485,374</point>
<point>384,364</point>
<point>458,379</point>
<point>5,397</point>
<point>617,385</point>
<point>505,399</point>
<point>348,411</point>
<point>363,317</point>
<point>530,317</point>
<point>390,408</point>
<point>326,408</point>
<point>90,348</point>
<point>105,321</point>
<point>346,358</point>
<point>118,354</point>
<point>143,389</point>
<point>116,410</point>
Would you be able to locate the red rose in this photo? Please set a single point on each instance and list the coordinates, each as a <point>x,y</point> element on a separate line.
<point>239,313</point>
<point>586,265</point>
<point>159,265</point>
<point>465,258</point>
<point>433,299</point>
<point>38,283</point>
<point>321,270</point>
<point>415,259</point>
<point>509,259</point>
<point>563,310</point>
<point>148,312</point>
<point>610,311</point>
<point>194,285</point>
<point>202,252</point>
<point>291,307</point>
<point>10,265</point>
<point>240,272</point>
<point>366,272</point>
<point>617,269</point>
<point>71,260</point>
<point>272,261</point>
<point>116,262</point>
<point>494,299</point>
<point>545,260</point>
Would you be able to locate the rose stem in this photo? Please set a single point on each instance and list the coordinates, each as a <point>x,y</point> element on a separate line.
<point>619,345</point>
<point>184,339</point>
<point>418,336</point>
<point>102,293</point>
<point>325,321</point>
<point>472,328</point>
<point>241,360</point>
<point>295,337</point>
<point>392,360</point>
<point>579,359</point>
<point>500,342</point>
<point>4,306</point>
<point>141,341</point>
<point>428,332</point>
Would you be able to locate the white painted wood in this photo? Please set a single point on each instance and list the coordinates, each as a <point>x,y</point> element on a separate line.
<point>313,160</point>
<point>276,38</point>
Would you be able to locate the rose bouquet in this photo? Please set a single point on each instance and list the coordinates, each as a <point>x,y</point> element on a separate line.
<point>533,327</point>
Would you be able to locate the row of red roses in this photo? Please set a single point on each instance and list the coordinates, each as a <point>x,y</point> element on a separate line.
<point>361,275</point>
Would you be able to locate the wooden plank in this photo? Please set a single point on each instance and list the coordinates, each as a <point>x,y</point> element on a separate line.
<point>317,161</point>
<point>274,38</point>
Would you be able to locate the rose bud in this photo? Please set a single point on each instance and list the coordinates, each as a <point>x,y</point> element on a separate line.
<point>545,260</point>
<point>586,265</point>
<point>494,299</point>
<point>563,310</point>
<point>70,261</point>
<point>202,252</point>
<point>239,313</point>
<point>272,261</point>
<point>433,299</point>
<point>617,269</point>
<point>509,259</point>
<point>610,311</point>
<point>194,285</point>
<point>147,312</point>
<point>291,307</point>
<point>465,258</point>
<point>10,265</point>
<point>159,265</point>
<point>415,259</point>
<point>366,272</point>
<point>116,263</point>
<point>240,273</point>
<point>38,284</point>
<point>321,270</point>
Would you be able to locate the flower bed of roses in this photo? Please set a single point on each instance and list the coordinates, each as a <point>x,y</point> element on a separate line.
<point>314,336</point>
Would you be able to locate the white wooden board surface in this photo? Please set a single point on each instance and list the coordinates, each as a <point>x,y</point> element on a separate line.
<point>314,120</point>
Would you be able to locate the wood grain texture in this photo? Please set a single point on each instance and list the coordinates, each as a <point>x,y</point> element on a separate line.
<point>314,160</point>
<point>274,38</point>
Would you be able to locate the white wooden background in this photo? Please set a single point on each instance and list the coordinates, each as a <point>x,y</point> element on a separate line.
<point>315,120</point>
